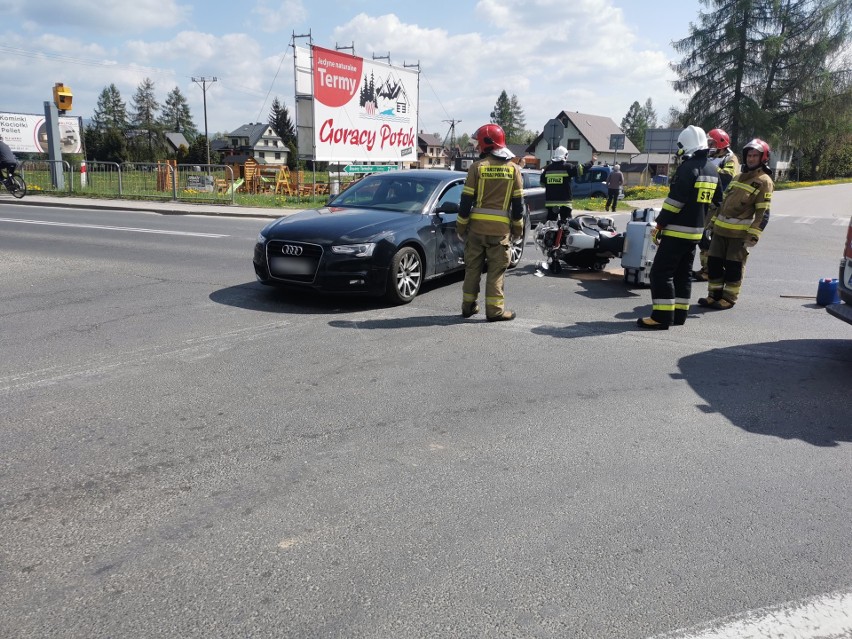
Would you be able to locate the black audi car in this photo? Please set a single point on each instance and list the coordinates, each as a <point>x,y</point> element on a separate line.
<point>384,235</point>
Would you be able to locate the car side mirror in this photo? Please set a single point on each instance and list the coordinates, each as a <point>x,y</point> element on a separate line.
<point>448,207</point>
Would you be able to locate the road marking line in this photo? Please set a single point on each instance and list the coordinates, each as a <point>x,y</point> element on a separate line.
<point>820,617</point>
<point>188,351</point>
<point>840,222</point>
<point>805,220</point>
<point>113,228</point>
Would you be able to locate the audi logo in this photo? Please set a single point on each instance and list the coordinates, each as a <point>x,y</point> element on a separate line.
<point>290,249</point>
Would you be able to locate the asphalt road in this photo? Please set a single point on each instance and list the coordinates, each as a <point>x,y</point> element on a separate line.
<point>188,454</point>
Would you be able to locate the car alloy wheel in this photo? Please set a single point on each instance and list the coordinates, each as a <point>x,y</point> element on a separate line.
<point>516,250</point>
<point>405,276</point>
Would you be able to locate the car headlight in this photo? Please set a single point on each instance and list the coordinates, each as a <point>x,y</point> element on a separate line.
<point>261,238</point>
<point>356,250</point>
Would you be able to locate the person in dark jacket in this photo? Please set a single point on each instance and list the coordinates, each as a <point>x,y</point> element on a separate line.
<point>8,161</point>
<point>556,179</point>
<point>614,182</point>
<point>680,225</point>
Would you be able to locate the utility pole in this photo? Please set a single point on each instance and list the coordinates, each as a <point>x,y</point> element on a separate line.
<point>451,134</point>
<point>202,82</point>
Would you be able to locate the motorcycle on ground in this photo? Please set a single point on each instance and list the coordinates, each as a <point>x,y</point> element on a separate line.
<point>585,242</point>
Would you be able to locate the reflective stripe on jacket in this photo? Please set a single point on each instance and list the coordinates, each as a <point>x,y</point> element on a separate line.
<point>745,209</point>
<point>556,180</point>
<point>694,187</point>
<point>492,198</point>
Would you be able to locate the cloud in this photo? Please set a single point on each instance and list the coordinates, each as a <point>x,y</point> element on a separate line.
<point>278,15</point>
<point>586,58</point>
<point>114,17</point>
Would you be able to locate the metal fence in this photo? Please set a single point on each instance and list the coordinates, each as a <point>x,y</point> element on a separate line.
<point>169,181</point>
<point>48,176</point>
<point>135,180</point>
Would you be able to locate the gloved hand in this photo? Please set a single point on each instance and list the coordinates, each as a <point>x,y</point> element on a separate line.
<point>751,240</point>
<point>704,242</point>
<point>656,234</point>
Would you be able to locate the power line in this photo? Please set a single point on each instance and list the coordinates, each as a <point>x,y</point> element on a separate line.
<point>280,62</point>
<point>72,60</point>
<point>202,82</point>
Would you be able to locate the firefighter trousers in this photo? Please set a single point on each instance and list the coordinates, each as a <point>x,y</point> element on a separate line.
<point>479,249</point>
<point>726,260</point>
<point>671,280</point>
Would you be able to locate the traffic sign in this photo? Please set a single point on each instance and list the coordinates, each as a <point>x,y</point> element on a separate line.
<point>553,132</point>
<point>367,168</point>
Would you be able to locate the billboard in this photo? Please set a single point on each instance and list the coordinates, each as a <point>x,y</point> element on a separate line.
<point>27,133</point>
<point>361,110</point>
<point>661,140</point>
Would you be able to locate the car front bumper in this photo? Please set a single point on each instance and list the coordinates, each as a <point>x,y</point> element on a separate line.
<point>330,273</point>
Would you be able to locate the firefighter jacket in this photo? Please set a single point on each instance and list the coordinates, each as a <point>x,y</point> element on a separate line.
<point>745,209</point>
<point>556,180</point>
<point>694,187</point>
<point>492,198</point>
<point>729,166</point>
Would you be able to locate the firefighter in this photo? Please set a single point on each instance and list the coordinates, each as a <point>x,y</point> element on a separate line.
<point>556,180</point>
<point>729,166</point>
<point>491,216</point>
<point>680,225</point>
<point>737,226</point>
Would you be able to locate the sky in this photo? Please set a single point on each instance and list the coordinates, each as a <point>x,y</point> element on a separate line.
<point>591,56</point>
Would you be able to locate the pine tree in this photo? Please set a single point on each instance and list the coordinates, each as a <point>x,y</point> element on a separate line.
<point>751,65</point>
<point>145,107</point>
<point>110,111</point>
<point>279,120</point>
<point>634,124</point>
<point>502,112</point>
<point>509,115</point>
<point>176,115</point>
<point>519,122</point>
<point>650,114</point>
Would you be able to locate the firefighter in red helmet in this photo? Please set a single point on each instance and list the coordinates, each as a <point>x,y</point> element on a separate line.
<point>729,166</point>
<point>491,216</point>
<point>738,225</point>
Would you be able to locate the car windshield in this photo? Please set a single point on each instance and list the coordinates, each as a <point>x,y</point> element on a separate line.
<point>396,192</point>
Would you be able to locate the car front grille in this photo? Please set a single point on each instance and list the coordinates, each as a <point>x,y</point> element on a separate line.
<point>293,261</point>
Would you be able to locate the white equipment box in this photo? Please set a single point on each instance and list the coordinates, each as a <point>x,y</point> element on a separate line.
<point>639,249</point>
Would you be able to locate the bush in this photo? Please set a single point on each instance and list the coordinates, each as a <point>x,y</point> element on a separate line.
<point>652,192</point>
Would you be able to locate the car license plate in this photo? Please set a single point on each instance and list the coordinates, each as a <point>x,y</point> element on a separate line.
<point>292,265</point>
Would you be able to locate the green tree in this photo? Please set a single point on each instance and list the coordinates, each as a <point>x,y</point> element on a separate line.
<point>279,120</point>
<point>502,112</point>
<point>634,125</point>
<point>519,122</point>
<point>650,114</point>
<point>822,132</point>
<point>176,115</point>
<point>110,111</point>
<point>197,153</point>
<point>509,115</point>
<point>105,137</point>
<point>144,120</point>
<point>751,65</point>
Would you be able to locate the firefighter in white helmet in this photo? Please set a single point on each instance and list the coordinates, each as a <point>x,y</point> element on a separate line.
<point>680,225</point>
<point>556,179</point>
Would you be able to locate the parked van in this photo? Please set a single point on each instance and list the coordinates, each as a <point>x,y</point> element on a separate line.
<point>592,183</point>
